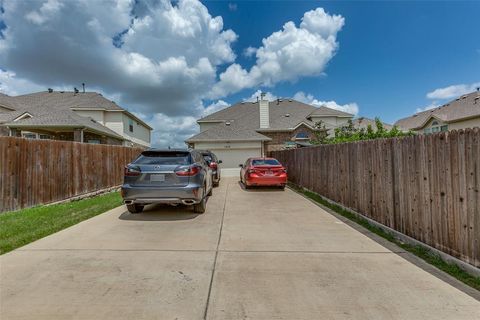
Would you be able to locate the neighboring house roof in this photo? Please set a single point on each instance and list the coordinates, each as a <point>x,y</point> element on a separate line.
<point>64,119</point>
<point>363,123</point>
<point>324,111</point>
<point>64,100</point>
<point>244,118</point>
<point>464,107</point>
<point>67,99</point>
<point>7,101</point>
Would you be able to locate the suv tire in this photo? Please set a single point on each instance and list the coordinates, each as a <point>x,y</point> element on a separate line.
<point>202,205</point>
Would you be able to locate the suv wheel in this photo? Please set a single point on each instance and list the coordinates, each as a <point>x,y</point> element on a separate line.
<point>201,206</point>
<point>134,208</point>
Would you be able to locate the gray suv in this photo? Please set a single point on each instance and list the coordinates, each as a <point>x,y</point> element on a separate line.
<point>167,176</point>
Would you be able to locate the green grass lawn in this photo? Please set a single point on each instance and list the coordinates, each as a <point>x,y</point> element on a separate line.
<point>18,228</point>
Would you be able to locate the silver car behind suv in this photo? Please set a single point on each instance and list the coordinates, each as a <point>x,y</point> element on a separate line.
<point>167,176</point>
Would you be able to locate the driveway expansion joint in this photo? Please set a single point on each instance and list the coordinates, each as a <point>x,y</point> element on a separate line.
<point>205,315</point>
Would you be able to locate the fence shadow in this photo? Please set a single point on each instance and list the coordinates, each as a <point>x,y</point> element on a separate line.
<point>160,213</point>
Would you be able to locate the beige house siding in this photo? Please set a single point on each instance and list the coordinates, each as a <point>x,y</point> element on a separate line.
<point>140,134</point>
<point>331,123</point>
<point>113,121</point>
<point>470,123</point>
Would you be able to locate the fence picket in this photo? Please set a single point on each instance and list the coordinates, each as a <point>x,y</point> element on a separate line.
<point>427,187</point>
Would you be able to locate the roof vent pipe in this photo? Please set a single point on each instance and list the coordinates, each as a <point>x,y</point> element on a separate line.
<point>83,85</point>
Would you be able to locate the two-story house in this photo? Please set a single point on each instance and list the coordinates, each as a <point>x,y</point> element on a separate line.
<point>76,116</point>
<point>252,129</point>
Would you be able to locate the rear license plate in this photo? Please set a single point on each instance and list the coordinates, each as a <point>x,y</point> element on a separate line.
<point>157,177</point>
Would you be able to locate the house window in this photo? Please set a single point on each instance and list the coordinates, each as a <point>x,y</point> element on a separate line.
<point>301,136</point>
<point>44,136</point>
<point>29,135</point>
<point>94,141</point>
<point>130,125</point>
<point>436,127</point>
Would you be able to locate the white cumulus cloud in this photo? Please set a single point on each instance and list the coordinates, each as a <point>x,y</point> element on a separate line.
<point>287,54</point>
<point>453,91</point>
<point>159,58</point>
<point>310,99</point>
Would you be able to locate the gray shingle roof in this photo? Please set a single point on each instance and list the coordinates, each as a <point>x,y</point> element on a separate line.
<point>224,132</point>
<point>63,100</point>
<point>244,117</point>
<point>66,119</point>
<point>466,106</point>
<point>7,101</point>
<point>324,111</point>
<point>296,110</point>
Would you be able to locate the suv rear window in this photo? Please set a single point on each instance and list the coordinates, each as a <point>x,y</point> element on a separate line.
<point>265,162</point>
<point>164,157</point>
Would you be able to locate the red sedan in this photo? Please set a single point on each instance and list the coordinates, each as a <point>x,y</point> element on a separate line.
<point>263,172</point>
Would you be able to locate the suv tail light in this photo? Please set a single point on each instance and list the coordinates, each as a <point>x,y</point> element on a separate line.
<point>132,171</point>
<point>213,165</point>
<point>187,171</point>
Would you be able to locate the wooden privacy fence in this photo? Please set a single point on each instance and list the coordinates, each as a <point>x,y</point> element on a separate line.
<point>41,171</point>
<point>425,186</point>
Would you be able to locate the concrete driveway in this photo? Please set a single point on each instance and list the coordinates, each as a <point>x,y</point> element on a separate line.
<point>263,254</point>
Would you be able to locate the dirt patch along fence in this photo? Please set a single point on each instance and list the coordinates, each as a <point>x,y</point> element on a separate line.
<point>425,186</point>
<point>35,172</point>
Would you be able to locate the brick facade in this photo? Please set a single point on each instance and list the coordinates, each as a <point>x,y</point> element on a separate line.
<point>279,138</point>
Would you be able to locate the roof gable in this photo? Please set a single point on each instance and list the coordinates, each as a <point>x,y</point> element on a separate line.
<point>464,107</point>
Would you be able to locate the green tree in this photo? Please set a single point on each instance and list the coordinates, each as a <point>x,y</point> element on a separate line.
<point>348,133</point>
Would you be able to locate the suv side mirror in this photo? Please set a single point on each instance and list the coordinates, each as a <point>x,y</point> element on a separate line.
<point>220,161</point>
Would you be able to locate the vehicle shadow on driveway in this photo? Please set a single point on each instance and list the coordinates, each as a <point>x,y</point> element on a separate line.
<point>260,188</point>
<point>160,213</point>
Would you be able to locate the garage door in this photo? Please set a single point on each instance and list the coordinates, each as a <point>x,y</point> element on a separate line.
<point>231,158</point>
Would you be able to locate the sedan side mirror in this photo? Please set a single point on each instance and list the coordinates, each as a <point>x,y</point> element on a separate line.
<point>240,165</point>
<point>220,161</point>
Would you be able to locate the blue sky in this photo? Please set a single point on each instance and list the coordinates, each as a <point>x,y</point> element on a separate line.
<point>171,63</point>
<point>391,54</point>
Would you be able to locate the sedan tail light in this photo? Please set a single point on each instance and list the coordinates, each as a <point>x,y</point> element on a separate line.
<point>132,171</point>
<point>251,171</point>
<point>187,171</point>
